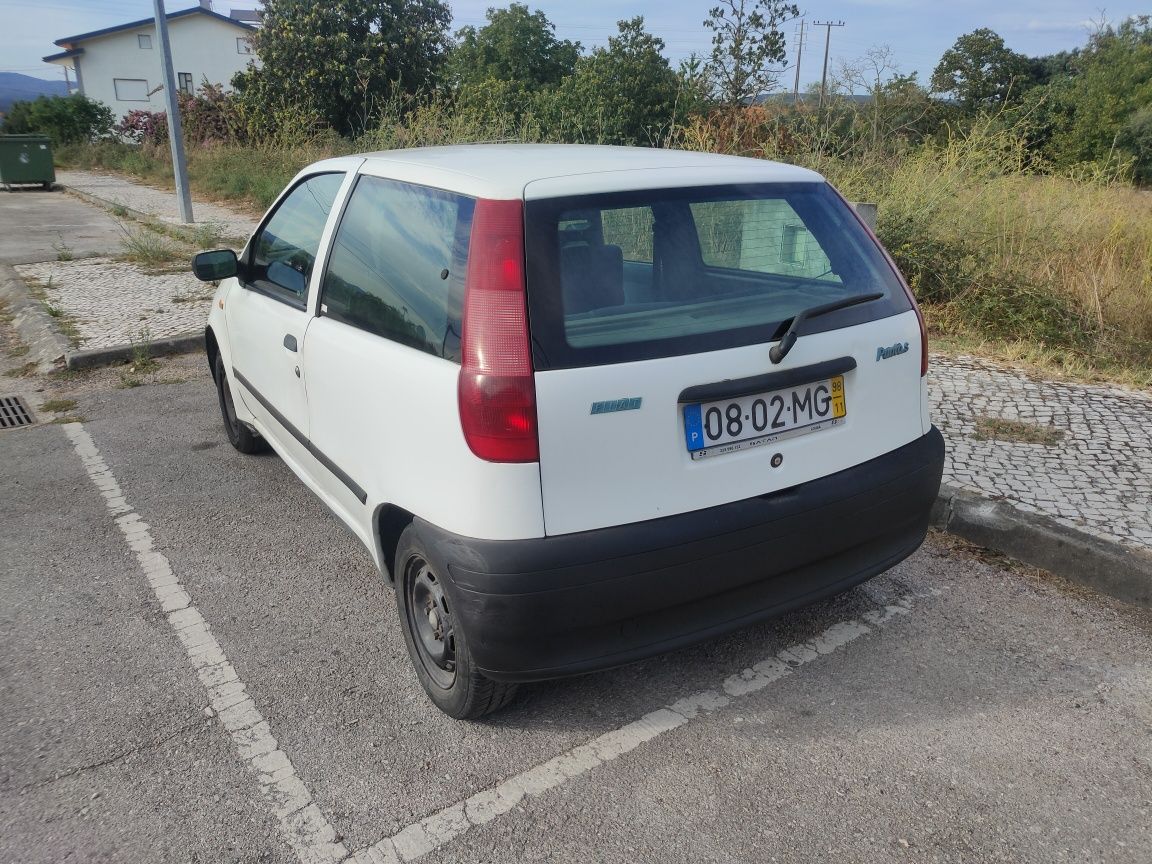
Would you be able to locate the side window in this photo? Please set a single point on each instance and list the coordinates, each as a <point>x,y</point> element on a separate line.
<point>763,236</point>
<point>398,262</point>
<point>286,247</point>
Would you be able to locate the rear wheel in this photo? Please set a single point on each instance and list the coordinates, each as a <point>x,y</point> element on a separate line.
<point>240,436</point>
<point>436,643</point>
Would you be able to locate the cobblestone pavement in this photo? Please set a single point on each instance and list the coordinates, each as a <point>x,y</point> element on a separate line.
<point>112,303</point>
<point>1097,476</point>
<point>159,203</point>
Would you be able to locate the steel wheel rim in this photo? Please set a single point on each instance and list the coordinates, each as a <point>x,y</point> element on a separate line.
<point>430,622</point>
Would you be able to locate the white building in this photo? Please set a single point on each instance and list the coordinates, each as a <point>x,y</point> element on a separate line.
<point>120,66</point>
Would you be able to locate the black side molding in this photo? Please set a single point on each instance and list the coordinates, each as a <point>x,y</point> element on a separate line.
<point>299,436</point>
<point>735,387</point>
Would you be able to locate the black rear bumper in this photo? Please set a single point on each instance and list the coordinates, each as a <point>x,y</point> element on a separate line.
<point>556,606</point>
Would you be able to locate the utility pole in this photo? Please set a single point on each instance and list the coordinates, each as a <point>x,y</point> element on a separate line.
<point>799,56</point>
<point>172,104</point>
<point>67,83</point>
<point>827,43</point>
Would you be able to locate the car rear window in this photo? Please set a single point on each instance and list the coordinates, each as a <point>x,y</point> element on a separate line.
<point>638,275</point>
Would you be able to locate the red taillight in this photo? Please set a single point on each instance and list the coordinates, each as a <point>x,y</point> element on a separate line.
<point>497,393</point>
<point>903,284</point>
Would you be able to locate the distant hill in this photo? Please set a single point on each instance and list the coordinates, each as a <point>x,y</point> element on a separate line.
<point>15,87</point>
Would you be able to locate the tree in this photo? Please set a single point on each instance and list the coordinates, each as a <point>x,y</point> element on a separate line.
<point>516,46</point>
<point>623,94</point>
<point>897,105</point>
<point>980,71</point>
<point>1101,106</point>
<point>71,119</point>
<point>339,62</point>
<point>746,42</point>
<point>1136,138</point>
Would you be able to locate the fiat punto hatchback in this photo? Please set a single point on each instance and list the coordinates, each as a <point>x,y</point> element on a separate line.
<point>583,405</point>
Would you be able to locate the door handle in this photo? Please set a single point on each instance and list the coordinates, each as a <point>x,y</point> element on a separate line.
<point>290,342</point>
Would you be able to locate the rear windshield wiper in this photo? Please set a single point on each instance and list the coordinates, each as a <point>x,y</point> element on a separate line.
<point>780,350</point>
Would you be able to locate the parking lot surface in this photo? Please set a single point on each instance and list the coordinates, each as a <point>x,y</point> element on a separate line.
<point>951,710</point>
<point>47,226</point>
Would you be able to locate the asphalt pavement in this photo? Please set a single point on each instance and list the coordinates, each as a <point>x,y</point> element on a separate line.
<point>36,226</point>
<point>954,709</point>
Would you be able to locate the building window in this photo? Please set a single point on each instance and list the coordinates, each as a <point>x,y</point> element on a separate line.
<point>186,83</point>
<point>243,46</point>
<point>143,40</point>
<point>131,89</point>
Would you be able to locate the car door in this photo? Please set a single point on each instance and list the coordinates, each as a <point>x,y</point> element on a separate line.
<point>267,319</point>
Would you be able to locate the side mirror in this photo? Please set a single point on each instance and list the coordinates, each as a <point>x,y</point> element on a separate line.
<point>216,265</point>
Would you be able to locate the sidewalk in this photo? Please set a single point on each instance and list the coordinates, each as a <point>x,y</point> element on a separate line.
<point>159,204</point>
<point>1093,474</point>
<point>108,303</point>
<point>1081,454</point>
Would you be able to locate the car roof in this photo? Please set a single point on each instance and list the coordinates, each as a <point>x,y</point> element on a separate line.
<point>507,170</point>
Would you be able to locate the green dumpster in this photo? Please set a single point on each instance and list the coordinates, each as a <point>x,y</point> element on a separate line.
<point>26,159</point>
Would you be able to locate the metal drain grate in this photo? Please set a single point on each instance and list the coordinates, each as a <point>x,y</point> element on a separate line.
<point>14,413</point>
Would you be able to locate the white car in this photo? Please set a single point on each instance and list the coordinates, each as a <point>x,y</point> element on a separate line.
<point>582,404</point>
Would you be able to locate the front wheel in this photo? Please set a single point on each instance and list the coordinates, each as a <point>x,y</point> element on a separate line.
<point>436,642</point>
<point>239,435</point>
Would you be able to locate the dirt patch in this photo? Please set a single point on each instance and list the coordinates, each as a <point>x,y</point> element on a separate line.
<point>1016,431</point>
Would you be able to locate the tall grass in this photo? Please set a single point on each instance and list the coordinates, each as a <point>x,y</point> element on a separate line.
<point>997,250</point>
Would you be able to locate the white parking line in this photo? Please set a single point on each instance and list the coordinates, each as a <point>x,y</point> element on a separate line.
<point>434,831</point>
<point>309,834</point>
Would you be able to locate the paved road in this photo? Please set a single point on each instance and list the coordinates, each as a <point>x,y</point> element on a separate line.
<point>949,711</point>
<point>38,226</point>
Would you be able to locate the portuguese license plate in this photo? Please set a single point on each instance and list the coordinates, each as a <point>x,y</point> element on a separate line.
<point>712,428</point>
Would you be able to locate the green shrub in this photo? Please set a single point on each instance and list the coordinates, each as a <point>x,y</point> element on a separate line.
<point>65,119</point>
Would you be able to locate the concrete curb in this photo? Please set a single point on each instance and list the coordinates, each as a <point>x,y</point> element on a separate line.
<point>1106,566</point>
<point>185,343</point>
<point>35,327</point>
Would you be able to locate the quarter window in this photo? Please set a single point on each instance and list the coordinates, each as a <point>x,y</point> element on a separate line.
<point>285,248</point>
<point>243,46</point>
<point>398,263</point>
<point>185,85</point>
<point>143,40</point>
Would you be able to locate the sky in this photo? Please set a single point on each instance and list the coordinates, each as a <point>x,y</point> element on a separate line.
<point>918,33</point>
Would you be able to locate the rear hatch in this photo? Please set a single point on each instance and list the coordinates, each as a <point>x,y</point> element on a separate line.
<point>653,313</point>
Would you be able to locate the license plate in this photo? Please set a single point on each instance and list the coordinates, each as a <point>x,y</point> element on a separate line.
<point>712,428</point>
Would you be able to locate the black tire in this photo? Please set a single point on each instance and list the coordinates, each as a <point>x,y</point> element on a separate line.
<point>436,643</point>
<point>240,436</point>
